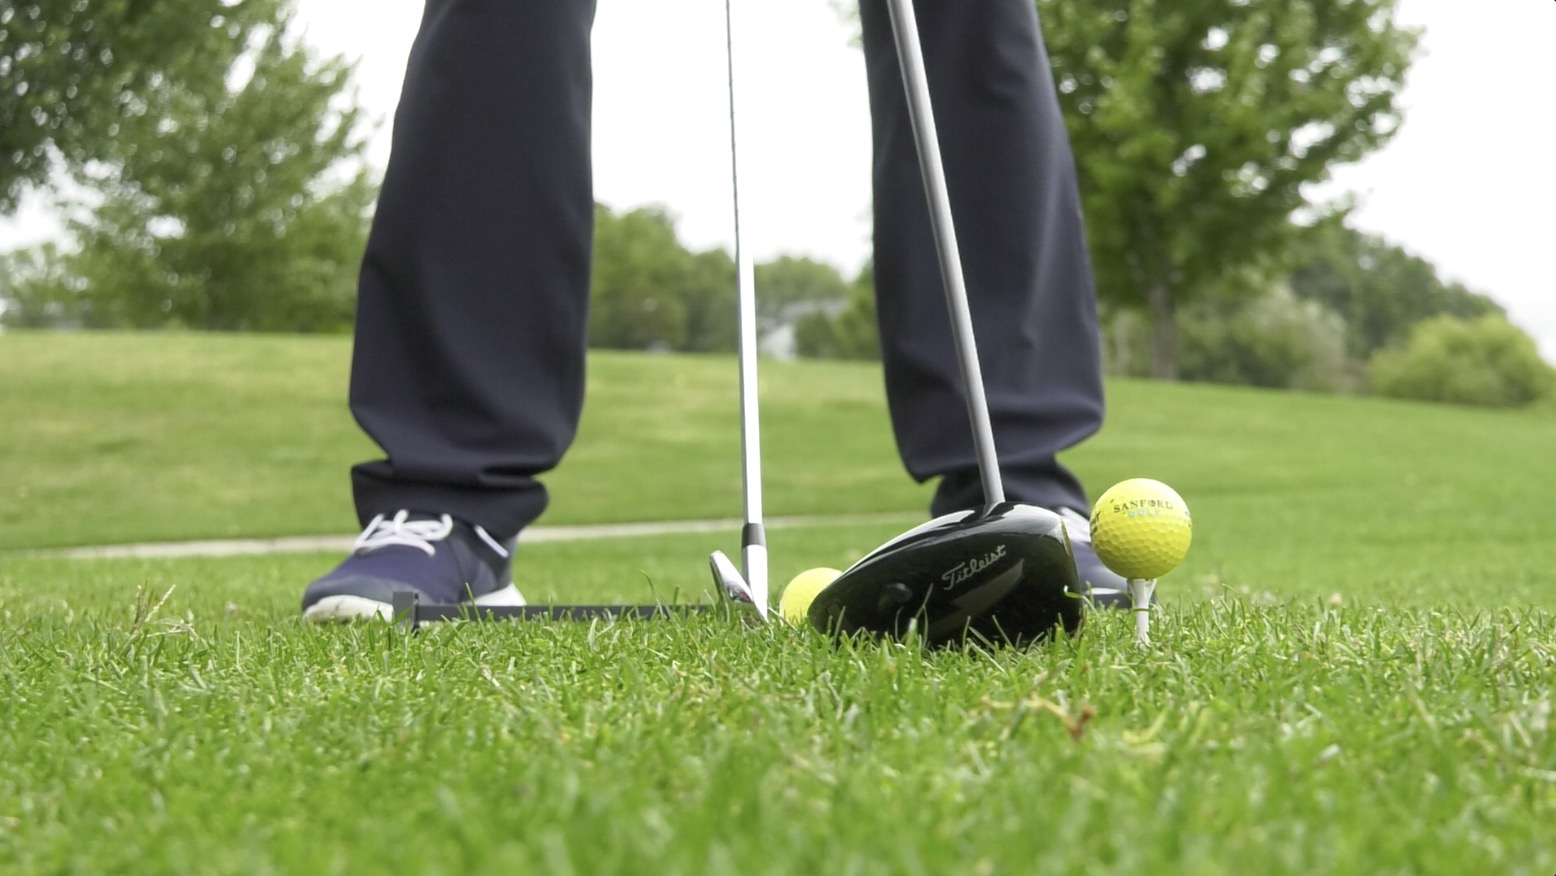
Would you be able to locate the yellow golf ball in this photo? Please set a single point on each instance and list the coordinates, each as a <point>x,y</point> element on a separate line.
<point>801,592</point>
<point>1141,528</point>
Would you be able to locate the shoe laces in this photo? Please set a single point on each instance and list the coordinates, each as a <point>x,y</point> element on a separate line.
<point>400,530</point>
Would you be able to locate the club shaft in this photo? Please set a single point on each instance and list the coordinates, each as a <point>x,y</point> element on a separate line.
<point>911,56</point>
<point>753,536</point>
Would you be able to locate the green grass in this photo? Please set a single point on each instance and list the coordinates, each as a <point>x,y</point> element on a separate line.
<point>1352,670</point>
<point>112,438</point>
<point>115,437</point>
<point>219,735</point>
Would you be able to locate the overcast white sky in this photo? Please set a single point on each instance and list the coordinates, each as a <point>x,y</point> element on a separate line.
<point>1469,183</point>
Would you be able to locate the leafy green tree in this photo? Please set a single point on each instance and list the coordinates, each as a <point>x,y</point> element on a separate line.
<point>649,292</point>
<point>1484,361</point>
<point>789,284</point>
<point>1276,341</point>
<point>1197,124</point>
<point>1379,289</point>
<point>711,301</point>
<point>233,198</point>
<point>69,71</point>
<point>850,334</point>
<point>38,290</point>
<point>639,271</point>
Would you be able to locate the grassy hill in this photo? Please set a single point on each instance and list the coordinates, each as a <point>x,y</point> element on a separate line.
<point>115,437</point>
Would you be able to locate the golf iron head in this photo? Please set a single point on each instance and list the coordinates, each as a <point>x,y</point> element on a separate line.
<point>734,585</point>
<point>1004,575</point>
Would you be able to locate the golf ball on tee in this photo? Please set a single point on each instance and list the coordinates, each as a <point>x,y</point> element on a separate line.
<point>1141,528</point>
<point>801,591</point>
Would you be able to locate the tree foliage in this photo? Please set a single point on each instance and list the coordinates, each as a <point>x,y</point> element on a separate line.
<point>1346,296</point>
<point>231,198</point>
<point>70,70</point>
<point>649,292</point>
<point>790,286</point>
<point>38,290</point>
<point>709,293</point>
<point>850,333</point>
<point>1275,341</point>
<point>1197,123</point>
<point>1483,361</point>
<point>1379,289</point>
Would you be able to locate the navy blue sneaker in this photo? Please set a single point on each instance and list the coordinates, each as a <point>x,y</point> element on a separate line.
<point>1102,586</point>
<point>446,560</point>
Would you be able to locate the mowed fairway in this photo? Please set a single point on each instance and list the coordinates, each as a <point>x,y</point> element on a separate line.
<point>1351,673</point>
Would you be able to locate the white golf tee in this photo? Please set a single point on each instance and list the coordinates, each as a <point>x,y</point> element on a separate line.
<point>1140,590</point>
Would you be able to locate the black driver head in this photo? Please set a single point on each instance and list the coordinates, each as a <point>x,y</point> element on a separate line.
<point>1005,575</point>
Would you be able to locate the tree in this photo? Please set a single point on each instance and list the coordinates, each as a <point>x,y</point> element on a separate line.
<point>232,198</point>
<point>68,71</point>
<point>1275,341</point>
<point>639,266</point>
<point>1484,361</point>
<point>1197,123</point>
<point>649,292</point>
<point>790,285</point>
<point>851,333</point>
<point>1379,289</point>
<point>38,290</point>
<point>710,299</point>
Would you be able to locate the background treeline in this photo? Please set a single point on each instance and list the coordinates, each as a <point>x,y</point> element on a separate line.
<point>210,168</point>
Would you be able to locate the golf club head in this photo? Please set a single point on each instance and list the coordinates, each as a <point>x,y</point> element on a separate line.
<point>733,585</point>
<point>1005,575</point>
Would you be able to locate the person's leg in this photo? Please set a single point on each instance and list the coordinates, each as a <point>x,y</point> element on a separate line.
<point>1014,197</point>
<point>472,309</point>
<point>471,326</point>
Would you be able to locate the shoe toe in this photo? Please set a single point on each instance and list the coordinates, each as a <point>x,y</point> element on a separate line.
<point>1102,585</point>
<point>346,607</point>
<point>358,586</point>
<point>453,567</point>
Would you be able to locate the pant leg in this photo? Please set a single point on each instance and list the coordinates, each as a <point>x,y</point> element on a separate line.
<point>468,367</point>
<point>1014,198</point>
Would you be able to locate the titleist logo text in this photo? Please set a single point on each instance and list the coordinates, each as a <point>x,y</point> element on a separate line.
<point>962,571</point>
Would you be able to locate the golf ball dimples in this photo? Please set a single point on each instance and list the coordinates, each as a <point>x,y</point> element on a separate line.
<point>1141,528</point>
<point>801,591</point>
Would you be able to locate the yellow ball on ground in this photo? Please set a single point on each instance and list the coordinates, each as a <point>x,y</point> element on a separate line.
<point>801,591</point>
<point>1141,528</point>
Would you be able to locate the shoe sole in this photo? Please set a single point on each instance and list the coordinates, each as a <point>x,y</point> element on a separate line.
<point>332,609</point>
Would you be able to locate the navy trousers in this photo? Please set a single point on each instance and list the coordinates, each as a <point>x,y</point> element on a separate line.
<point>472,314</point>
